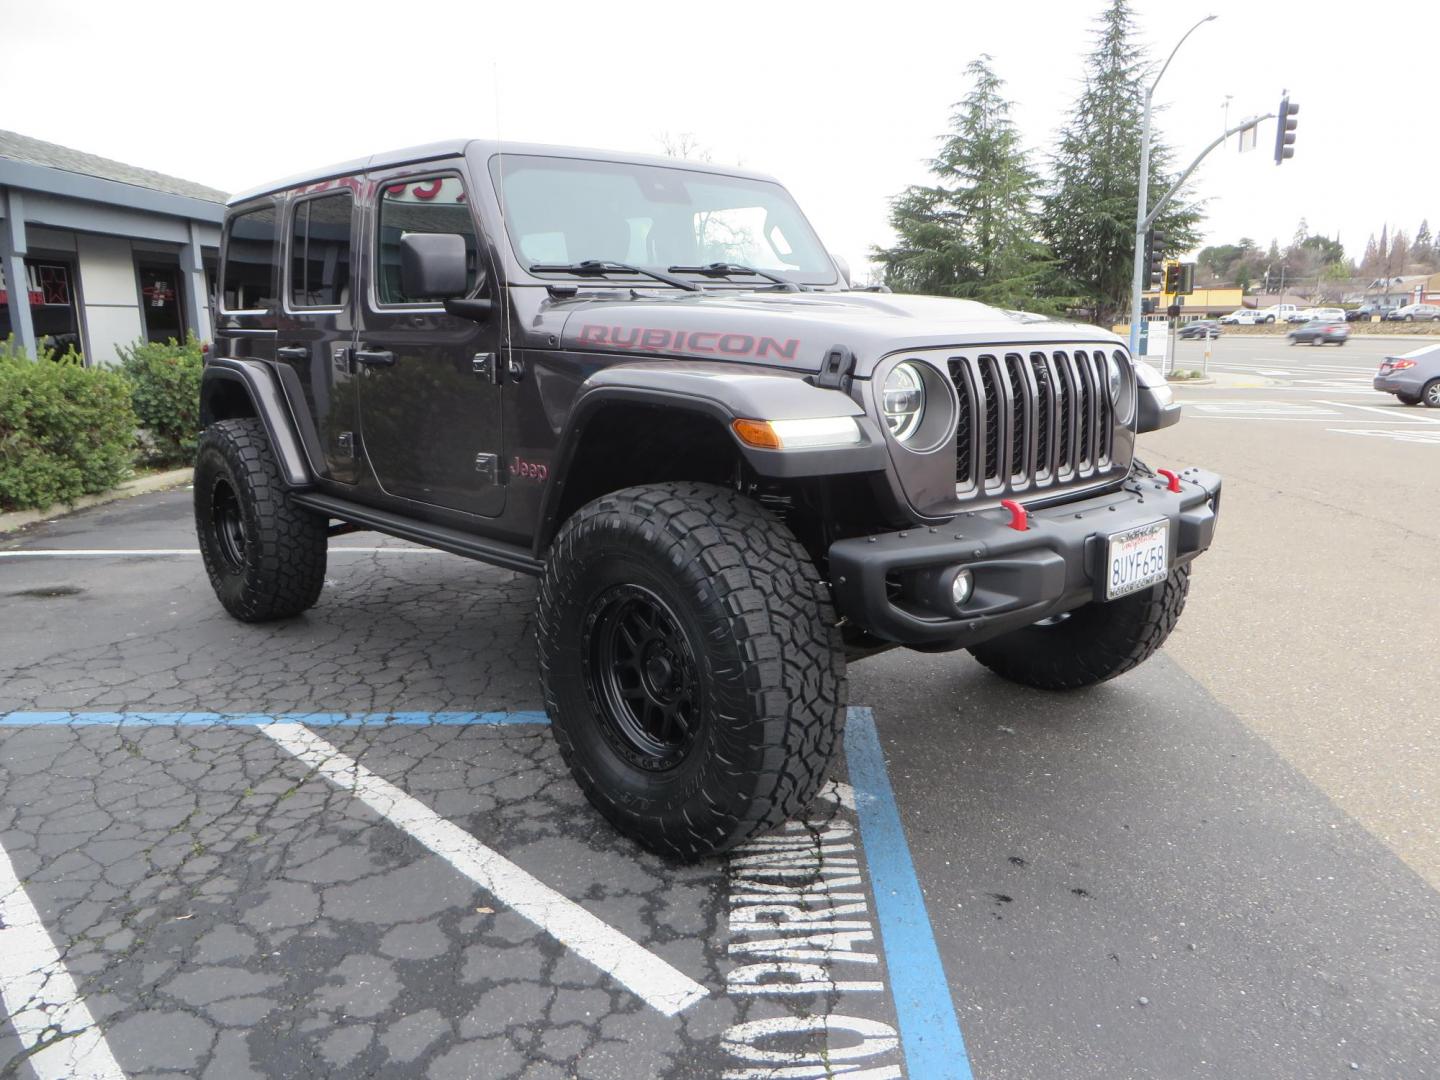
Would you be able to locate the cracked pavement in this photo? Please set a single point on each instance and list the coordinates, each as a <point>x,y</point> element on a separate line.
<point>1123,882</point>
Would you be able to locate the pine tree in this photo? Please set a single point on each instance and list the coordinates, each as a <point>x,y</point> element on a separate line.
<point>974,233</point>
<point>1423,248</point>
<point>1399,252</point>
<point>1370,261</point>
<point>1089,218</point>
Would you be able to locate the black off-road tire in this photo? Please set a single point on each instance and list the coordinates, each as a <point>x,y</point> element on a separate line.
<point>1091,644</point>
<point>265,555</point>
<point>752,624</point>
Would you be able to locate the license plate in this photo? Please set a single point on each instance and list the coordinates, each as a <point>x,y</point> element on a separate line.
<point>1138,559</point>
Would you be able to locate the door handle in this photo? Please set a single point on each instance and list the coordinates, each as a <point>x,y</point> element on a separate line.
<point>293,352</point>
<point>374,357</point>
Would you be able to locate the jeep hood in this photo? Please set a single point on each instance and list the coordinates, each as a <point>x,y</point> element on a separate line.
<point>796,330</point>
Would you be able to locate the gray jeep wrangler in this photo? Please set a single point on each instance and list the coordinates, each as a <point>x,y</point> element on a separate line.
<point>649,385</point>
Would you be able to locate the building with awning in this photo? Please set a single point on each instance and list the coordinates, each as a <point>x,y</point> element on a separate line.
<point>97,254</point>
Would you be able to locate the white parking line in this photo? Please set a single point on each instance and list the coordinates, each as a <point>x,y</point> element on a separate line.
<point>1411,415</point>
<point>41,998</point>
<point>1424,436</point>
<point>646,975</point>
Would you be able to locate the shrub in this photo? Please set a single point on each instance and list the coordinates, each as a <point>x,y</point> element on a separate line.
<point>65,430</point>
<point>166,396</point>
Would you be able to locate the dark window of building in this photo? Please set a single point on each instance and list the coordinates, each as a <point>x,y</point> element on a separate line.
<point>160,302</point>
<point>320,251</point>
<point>249,261</point>
<point>50,294</point>
<point>425,205</point>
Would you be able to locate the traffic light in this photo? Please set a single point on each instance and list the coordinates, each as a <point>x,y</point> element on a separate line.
<point>1285,123</point>
<point>1154,258</point>
<point>1172,278</point>
<point>1187,279</point>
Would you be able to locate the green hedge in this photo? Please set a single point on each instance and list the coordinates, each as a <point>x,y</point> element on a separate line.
<point>166,395</point>
<point>65,430</point>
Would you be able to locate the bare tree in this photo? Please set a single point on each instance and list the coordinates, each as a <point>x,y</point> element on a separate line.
<point>685,146</point>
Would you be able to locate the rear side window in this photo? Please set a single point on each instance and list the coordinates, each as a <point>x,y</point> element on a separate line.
<point>320,251</point>
<point>249,261</point>
<point>422,205</point>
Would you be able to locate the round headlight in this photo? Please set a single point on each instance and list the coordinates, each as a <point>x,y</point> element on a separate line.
<point>903,401</point>
<point>1117,380</point>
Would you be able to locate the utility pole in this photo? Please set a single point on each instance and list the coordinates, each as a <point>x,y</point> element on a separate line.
<point>1142,219</point>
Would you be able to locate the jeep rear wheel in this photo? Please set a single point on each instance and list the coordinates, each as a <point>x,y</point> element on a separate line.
<point>1091,644</point>
<point>265,556</point>
<point>692,669</point>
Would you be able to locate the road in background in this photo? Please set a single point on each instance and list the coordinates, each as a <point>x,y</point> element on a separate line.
<point>1315,616</point>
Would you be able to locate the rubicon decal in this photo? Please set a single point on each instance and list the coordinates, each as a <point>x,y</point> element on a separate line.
<point>708,342</point>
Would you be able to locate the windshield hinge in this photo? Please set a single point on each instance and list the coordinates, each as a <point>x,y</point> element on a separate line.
<point>837,369</point>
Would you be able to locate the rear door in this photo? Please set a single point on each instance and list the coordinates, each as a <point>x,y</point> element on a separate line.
<point>317,321</point>
<point>429,396</point>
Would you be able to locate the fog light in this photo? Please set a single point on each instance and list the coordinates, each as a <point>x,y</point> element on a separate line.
<point>961,586</point>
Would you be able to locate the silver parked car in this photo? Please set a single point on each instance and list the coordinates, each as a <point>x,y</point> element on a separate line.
<point>1413,377</point>
<point>1414,313</point>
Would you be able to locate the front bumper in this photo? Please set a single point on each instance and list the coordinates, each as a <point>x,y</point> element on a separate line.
<point>895,586</point>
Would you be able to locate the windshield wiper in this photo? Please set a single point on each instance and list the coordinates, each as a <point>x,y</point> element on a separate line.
<point>724,269</point>
<point>601,267</point>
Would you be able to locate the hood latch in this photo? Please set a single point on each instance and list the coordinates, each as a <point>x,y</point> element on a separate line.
<point>836,371</point>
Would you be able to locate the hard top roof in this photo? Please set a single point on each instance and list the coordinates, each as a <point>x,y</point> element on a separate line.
<point>486,147</point>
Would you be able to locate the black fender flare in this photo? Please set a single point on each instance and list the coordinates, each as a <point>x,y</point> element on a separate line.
<point>269,403</point>
<point>723,394</point>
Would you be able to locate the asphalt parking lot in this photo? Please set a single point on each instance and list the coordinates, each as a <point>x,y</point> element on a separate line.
<point>346,845</point>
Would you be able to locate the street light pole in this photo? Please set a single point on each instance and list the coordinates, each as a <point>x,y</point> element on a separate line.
<point>1141,218</point>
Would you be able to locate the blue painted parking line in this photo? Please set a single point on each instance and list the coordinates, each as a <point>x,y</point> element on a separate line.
<point>929,1029</point>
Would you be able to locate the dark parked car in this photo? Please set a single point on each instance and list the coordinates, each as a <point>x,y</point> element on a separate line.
<point>649,385</point>
<point>1320,332</point>
<point>1202,328</point>
<point>1413,377</point>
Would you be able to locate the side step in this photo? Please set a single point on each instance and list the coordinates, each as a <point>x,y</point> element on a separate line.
<point>442,537</point>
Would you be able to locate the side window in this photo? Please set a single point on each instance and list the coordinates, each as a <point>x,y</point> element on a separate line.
<point>249,254</point>
<point>320,251</point>
<point>421,205</point>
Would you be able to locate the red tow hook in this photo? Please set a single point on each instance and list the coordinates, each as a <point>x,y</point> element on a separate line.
<point>1174,480</point>
<point>1019,520</point>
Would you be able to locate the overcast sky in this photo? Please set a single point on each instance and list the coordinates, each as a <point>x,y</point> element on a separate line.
<point>843,102</point>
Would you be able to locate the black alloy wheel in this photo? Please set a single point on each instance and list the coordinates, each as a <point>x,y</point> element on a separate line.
<point>228,524</point>
<point>641,676</point>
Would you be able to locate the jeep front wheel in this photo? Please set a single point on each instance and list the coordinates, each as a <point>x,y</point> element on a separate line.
<point>1090,644</point>
<point>692,669</point>
<point>265,556</point>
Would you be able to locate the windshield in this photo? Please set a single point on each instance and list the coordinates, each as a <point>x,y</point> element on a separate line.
<point>565,210</point>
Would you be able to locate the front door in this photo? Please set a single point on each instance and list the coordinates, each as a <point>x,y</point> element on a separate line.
<point>429,398</point>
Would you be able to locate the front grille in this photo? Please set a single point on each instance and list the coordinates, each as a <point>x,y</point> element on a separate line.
<point>1031,419</point>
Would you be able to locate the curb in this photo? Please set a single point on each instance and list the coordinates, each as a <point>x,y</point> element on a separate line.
<point>1190,382</point>
<point>18,519</point>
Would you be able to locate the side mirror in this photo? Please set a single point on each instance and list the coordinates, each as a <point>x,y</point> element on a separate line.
<point>432,265</point>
